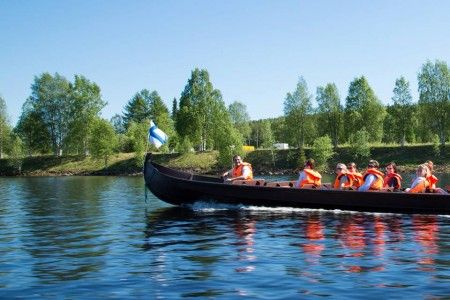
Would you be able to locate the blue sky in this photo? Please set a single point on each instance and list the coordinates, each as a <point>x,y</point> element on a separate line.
<point>254,50</point>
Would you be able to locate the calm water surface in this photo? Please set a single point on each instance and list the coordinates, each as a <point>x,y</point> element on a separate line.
<point>96,238</point>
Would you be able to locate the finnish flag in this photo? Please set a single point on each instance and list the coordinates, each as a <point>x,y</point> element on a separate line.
<point>156,136</point>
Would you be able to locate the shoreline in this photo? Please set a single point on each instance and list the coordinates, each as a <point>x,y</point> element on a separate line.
<point>265,162</point>
<point>276,172</point>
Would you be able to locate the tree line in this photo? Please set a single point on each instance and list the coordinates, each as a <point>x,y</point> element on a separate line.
<point>64,117</point>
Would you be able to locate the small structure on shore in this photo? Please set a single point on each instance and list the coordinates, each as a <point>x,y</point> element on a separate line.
<point>281,146</point>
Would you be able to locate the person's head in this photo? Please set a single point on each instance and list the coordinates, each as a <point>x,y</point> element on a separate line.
<point>340,168</point>
<point>391,168</point>
<point>430,165</point>
<point>351,167</point>
<point>373,164</point>
<point>310,163</point>
<point>237,160</point>
<point>422,170</point>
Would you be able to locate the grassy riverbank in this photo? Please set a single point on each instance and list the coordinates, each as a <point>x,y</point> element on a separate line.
<point>119,164</point>
<point>263,161</point>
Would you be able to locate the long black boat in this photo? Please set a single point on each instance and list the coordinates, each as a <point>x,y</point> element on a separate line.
<point>178,188</point>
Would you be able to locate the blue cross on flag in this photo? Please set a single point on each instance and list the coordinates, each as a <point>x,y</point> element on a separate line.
<point>156,136</point>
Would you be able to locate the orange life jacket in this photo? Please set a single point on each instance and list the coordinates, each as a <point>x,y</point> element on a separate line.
<point>312,177</point>
<point>421,187</point>
<point>347,183</point>
<point>432,180</point>
<point>237,170</point>
<point>378,183</point>
<point>356,178</point>
<point>389,177</point>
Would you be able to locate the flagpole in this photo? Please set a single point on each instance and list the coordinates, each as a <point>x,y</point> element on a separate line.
<point>148,141</point>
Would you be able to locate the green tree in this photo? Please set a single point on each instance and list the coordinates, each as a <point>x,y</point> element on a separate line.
<point>266,134</point>
<point>280,132</point>
<point>103,139</point>
<point>137,134</point>
<point>240,119</point>
<point>32,131</point>
<point>86,106</point>
<point>201,112</point>
<point>402,110</point>
<point>363,110</point>
<point>174,108</point>
<point>51,99</point>
<point>298,111</point>
<point>5,129</point>
<point>359,144</point>
<point>389,124</point>
<point>228,141</point>
<point>330,112</point>
<point>16,153</point>
<point>118,123</point>
<point>322,150</point>
<point>434,99</point>
<point>137,109</point>
<point>185,146</point>
<point>66,109</point>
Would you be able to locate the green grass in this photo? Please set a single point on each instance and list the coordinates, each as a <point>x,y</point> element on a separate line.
<point>118,164</point>
<point>263,161</point>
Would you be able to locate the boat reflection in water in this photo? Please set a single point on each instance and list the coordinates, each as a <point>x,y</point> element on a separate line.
<point>245,229</point>
<point>425,229</point>
<point>213,244</point>
<point>314,233</point>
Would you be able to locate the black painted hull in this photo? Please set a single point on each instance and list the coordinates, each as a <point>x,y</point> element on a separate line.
<point>178,188</point>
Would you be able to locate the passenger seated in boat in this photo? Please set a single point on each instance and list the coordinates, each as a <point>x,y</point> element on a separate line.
<point>420,183</point>
<point>373,178</point>
<point>308,176</point>
<point>240,171</point>
<point>357,177</point>
<point>343,181</point>
<point>433,179</point>
<point>392,180</point>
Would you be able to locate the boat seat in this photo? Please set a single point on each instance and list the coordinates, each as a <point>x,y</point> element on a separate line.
<point>250,182</point>
<point>280,184</point>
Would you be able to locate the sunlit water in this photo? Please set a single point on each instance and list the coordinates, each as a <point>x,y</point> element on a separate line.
<point>96,238</point>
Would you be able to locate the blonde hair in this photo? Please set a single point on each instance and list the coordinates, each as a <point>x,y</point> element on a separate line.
<point>423,170</point>
<point>430,165</point>
<point>341,166</point>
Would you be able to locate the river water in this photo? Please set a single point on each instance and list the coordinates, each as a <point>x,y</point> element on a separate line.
<point>97,238</point>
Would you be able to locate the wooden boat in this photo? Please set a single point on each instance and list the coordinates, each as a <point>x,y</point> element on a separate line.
<point>178,188</point>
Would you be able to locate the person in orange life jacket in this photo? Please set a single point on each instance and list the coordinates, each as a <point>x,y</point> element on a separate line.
<point>420,183</point>
<point>430,177</point>
<point>392,178</point>
<point>240,171</point>
<point>353,172</point>
<point>343,180</point>
<point>373,178</point>
<point>308,175</point>
<point>433,179</point>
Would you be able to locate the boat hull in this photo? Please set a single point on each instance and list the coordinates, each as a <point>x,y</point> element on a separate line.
<point>178,188</point>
